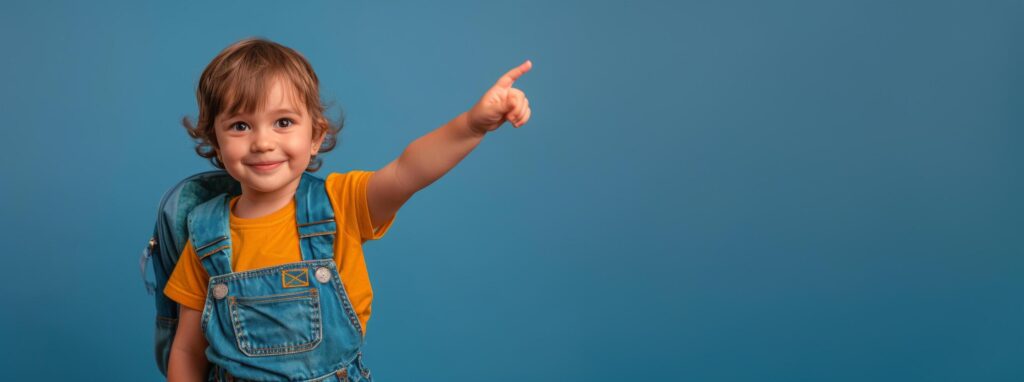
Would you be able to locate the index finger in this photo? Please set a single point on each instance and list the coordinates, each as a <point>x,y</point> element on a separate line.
<point>513,75</point>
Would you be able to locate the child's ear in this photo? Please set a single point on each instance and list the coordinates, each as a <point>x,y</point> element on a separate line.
<point>317,141</point>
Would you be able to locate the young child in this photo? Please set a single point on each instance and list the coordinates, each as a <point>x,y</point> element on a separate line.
<point>253,305</point>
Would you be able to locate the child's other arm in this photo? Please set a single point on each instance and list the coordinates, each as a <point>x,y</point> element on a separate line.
<point>431,156</point>
<point>188,352</point>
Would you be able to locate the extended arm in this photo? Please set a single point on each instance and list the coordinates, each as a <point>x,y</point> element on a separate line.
<point>431,156</point>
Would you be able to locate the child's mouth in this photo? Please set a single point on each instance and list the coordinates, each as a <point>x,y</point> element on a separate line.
<point>265,167</point>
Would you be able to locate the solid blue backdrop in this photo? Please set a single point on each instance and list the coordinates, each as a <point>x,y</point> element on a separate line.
<point>707,191</point>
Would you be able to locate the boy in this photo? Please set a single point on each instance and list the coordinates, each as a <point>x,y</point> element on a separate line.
<point>249,307</point>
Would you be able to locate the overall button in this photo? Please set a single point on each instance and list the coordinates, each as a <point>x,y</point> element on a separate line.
<point>323,275</point>
<point>219,291</point>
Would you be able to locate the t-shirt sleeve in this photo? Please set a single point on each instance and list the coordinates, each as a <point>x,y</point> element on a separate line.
<point>188,282</point>
<point>348,193</point>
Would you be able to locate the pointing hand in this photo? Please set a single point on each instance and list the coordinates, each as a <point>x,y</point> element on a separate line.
<point>501,103</point>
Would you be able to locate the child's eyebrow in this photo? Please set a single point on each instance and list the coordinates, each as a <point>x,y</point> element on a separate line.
<point>278,111</point>
<point>285,111</point>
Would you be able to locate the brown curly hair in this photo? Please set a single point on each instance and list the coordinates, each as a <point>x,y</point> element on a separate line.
<point>235,81</point>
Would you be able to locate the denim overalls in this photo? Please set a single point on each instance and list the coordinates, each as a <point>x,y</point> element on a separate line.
<point>289,322</point>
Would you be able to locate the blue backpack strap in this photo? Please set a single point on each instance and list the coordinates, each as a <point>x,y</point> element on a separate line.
<point>168,241</point>
<point>211,236</point>
<point>315,219</point>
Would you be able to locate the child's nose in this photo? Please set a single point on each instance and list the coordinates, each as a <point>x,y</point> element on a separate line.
<point>263,141</point>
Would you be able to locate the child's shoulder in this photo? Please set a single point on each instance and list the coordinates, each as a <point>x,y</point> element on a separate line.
<point>347,177</point>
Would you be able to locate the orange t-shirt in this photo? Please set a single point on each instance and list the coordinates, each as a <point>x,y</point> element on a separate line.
<point>273,239</point>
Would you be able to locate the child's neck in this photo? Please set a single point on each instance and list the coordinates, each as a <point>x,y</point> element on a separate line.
<point>254,204</point>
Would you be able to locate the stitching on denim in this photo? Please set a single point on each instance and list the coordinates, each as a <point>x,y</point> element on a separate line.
<point>339,287</point>
<point>294,280</point>
<point>315,223</point>
<point>258,299</point>
<point>205,321</point>
<point>228,277</point>
<point>218,249</point>
<point>316,234</point>
<point>267,301</point>
<point>251,301</point>
<point>365,371</point>
<point>242,337</point>
<point>215,241</point>
<point>342,366</point>
<point>284,350</point>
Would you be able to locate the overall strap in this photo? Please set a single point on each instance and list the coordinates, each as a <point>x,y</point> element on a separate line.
<point>315,218</point>
<point>211,236</point>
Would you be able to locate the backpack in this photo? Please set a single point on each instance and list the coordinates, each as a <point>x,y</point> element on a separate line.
<point>169,237</point>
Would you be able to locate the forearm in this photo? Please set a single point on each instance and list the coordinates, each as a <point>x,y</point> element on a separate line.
<point>186,366</point>
<point>188,352</point>
<point>431,156</point>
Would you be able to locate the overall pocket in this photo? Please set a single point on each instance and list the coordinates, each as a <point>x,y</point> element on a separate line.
<point>276,324</point>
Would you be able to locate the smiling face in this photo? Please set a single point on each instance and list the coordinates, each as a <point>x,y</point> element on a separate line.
<point>268,149</point>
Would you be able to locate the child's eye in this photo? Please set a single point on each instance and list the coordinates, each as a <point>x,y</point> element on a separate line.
<point>285,122</point>
<point>238,126</point>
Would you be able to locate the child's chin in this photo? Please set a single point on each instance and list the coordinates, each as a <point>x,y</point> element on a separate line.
<point>267,182</point>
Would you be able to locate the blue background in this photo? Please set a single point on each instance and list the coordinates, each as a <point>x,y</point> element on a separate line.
<point>707,190</point>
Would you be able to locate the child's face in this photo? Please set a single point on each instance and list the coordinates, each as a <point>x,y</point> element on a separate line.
<point>268,150</point>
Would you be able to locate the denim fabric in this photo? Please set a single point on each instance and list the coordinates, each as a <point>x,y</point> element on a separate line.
<point>289,322</point>
<point>166,244</point>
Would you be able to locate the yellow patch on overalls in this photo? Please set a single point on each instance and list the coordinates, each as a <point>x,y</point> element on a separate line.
<point>293,278</point>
